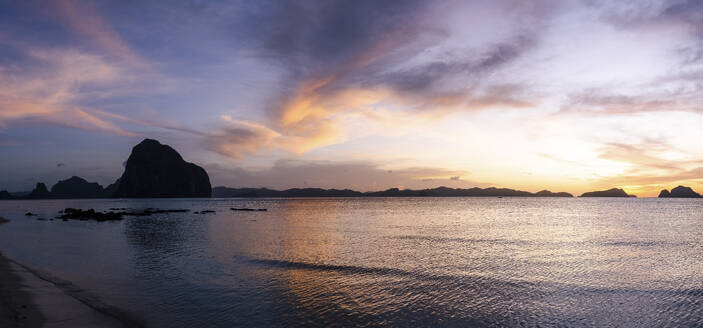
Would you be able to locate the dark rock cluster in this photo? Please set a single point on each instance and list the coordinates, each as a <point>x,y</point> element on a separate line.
<point>91,214</point>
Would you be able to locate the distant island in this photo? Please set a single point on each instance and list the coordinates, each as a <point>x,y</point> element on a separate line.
<point>224,192</point>
<point>152,170</point>
<point>614,192</point>
<point>679,192</point>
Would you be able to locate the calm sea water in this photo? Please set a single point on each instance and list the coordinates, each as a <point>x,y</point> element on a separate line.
<point>380,261</point>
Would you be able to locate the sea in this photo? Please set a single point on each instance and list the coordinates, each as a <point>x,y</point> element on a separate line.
<point>367,262</point>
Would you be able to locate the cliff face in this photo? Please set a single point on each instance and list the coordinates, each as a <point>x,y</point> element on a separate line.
<point>76,187</point>
<point>614,192</point>
<point>156,170</point>
<point>679,192</point>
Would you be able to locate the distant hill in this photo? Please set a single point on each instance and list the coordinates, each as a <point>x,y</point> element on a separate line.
<point>76,187</point>
<point>679,192</point>
<point>225,192</point>
<point>614,192</point>
<point>5,195</point>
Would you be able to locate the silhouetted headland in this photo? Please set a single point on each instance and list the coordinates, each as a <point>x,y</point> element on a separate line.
<point>393,192</point>
<point>614,192</point>
<point>679,192</point>
<point>152,170</point>
<point>156,170</point>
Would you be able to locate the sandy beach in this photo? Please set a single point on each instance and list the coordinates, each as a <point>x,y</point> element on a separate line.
<point>30,299</point>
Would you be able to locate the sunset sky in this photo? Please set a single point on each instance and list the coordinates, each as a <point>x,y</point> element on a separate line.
<point>561,95</point>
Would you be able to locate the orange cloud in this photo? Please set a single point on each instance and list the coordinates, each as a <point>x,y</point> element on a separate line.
<point>50,95</point>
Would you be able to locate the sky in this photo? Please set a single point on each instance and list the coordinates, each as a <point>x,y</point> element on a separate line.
<point>561,95</point>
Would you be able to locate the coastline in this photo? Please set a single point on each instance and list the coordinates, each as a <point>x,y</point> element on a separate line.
<point>32,299</point>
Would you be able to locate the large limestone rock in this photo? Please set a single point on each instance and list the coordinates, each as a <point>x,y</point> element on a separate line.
<point>76,187</point>
<point>156,170</point>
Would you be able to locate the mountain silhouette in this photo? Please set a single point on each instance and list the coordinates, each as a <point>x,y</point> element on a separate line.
<point>225,192</point>
<point>156,170</point>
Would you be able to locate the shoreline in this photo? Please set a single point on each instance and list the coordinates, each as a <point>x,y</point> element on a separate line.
<point>30,298</point>
<point>17,306</point>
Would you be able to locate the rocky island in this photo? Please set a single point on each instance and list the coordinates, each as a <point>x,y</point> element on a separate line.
<point>614,192</point>
<point>679,192</point>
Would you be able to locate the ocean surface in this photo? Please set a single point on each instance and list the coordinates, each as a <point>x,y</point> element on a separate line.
<point>515,262</point>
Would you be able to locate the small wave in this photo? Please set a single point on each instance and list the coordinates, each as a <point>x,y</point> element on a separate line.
<point>467,280</point>
<point>464,240</point>
<point>330,267</point>
<point>499,241</point>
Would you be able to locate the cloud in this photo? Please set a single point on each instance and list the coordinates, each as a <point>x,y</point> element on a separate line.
<point>603,102</point>
<point>240,138</point>
<point>52,84</point>
<point>84,19</point>
<point>653,165</point>
<point>643,155</point>
<point>362,176</point>
<point>48,94</point>
<point>358,60</point>
<point>9,143</point>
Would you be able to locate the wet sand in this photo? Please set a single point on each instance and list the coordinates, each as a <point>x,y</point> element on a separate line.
<point>32,299</point>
